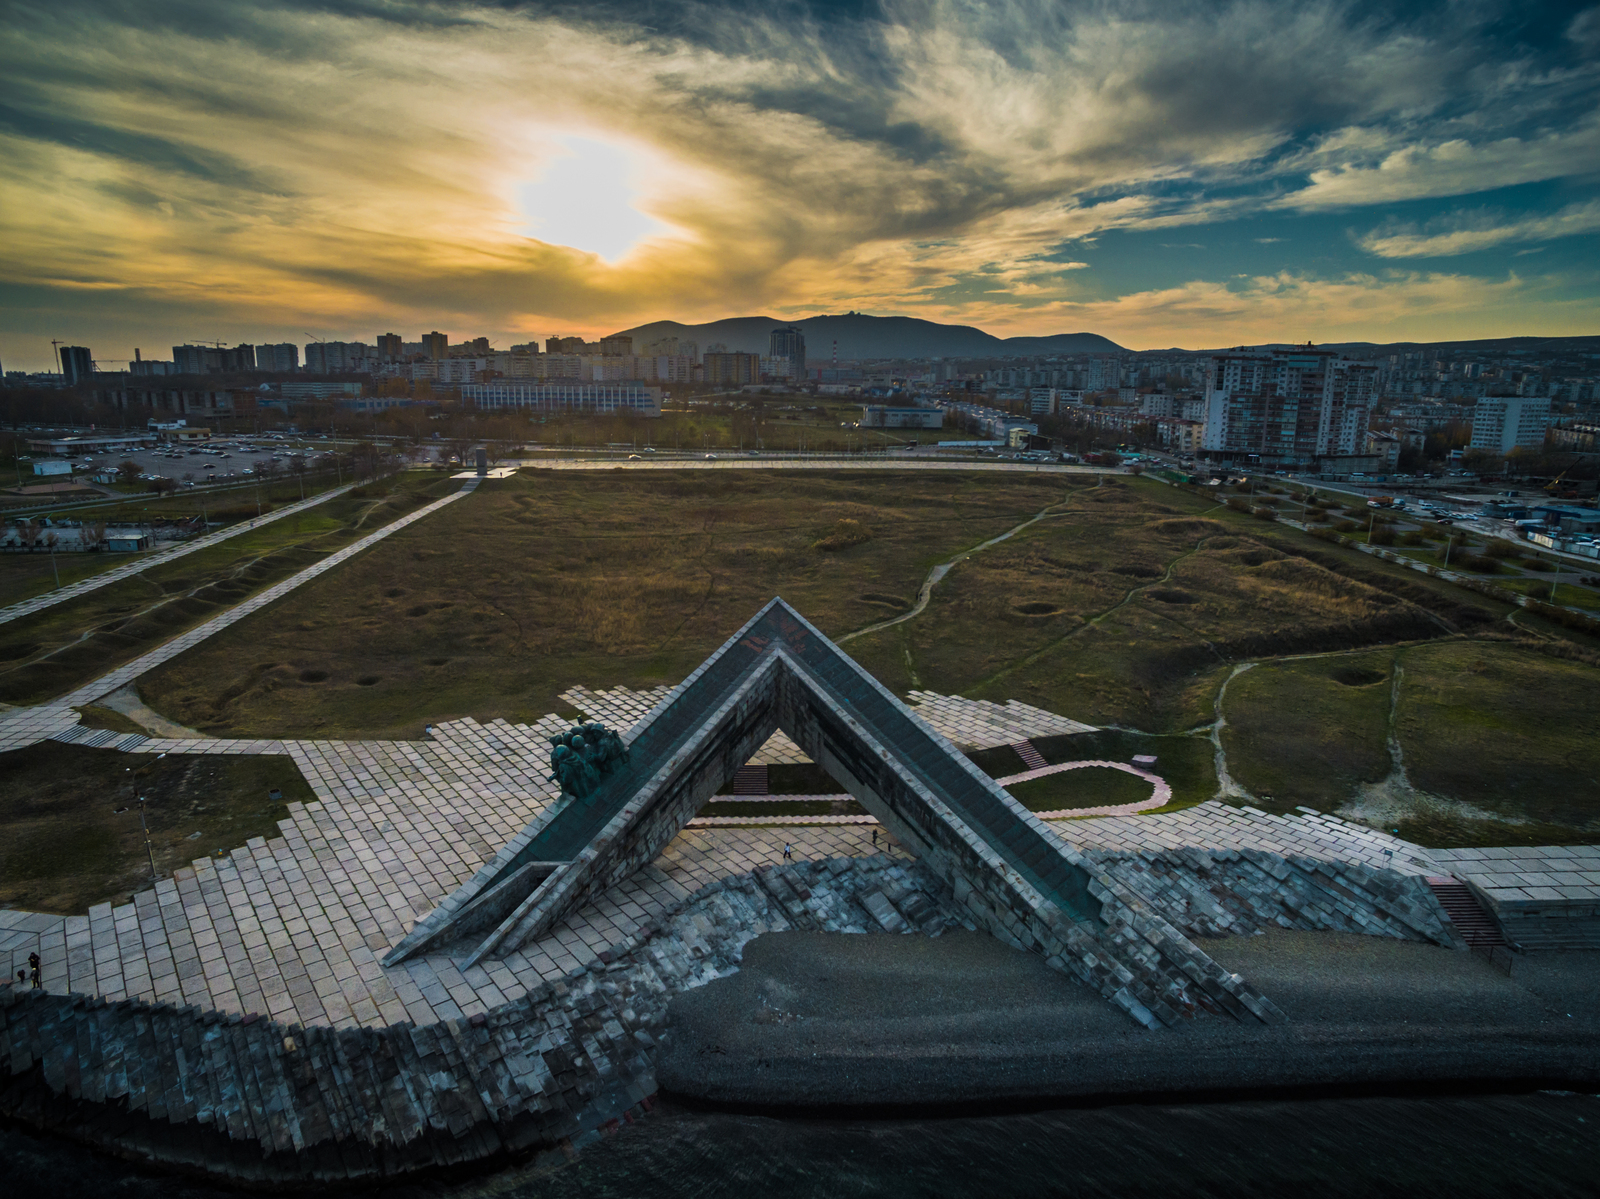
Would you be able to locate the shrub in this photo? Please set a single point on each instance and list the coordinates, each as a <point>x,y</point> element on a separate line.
<point>1500,549</point>
<point>1264,514</point>
<point>1239,504</point>
<point>1478,562</point>
<point>1381,535</point>
<point>1348,526</point>
<point>1538,564</point>
<point>844,534</point>
<point>1412,538</point>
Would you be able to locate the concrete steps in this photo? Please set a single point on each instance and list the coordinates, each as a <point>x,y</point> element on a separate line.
<point>1476,926</point>
<point>1031,758</point>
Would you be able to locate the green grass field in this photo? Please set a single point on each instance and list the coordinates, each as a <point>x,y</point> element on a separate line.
<point>1087,787</point>
<point>69,823</point>
<point>1311,731</point>
<point>80,639</point>
<point>548,579</point>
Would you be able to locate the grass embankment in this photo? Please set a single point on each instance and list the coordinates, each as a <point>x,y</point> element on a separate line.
<point>1310,732</point>
<point>551,578</point>
<point>1487,731</point>
<point>23,576</point>
<point>69,823</point>
<point>51,652</point>
<point>1130,609</point>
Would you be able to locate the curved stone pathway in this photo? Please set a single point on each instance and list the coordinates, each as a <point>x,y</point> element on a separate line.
<point>1160,797</point>
<point>144,562</point>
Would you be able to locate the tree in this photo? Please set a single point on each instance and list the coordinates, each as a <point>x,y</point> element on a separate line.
<point>94,533</point>
<point>161,485</point>
<point>31,528</point>
<point>128,469</point>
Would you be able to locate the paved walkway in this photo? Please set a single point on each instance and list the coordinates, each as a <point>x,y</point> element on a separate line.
<point>25,726</point>
<point>144,562</point>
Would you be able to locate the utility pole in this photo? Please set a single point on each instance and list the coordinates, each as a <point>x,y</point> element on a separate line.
<point>1554,583</point>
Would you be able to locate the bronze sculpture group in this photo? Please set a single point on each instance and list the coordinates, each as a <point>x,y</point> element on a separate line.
<point>581,757</point>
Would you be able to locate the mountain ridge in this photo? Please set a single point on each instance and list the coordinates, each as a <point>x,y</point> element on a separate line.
<point>861,336</point>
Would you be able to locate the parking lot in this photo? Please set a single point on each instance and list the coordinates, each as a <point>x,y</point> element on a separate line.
<point>218,460</point>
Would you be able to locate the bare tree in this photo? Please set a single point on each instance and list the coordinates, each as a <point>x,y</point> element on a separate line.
<point>31,528</point>
<point>94,533</point>
<point>128,469</point>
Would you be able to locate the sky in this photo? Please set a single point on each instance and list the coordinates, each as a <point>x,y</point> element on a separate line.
<point>1162,173</point>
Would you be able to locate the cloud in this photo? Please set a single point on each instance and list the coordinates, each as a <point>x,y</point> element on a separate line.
<point>1479,231</point>
<point>1455,167</point>
<point>340,164</point>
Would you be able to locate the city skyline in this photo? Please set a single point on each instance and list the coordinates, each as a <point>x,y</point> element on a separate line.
<point>1194,175</point>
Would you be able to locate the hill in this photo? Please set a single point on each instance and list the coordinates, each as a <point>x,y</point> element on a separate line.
<point>861,336</point>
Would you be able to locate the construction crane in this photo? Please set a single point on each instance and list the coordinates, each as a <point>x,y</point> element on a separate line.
<point>202,341</point>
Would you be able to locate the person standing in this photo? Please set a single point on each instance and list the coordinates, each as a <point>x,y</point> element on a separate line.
<point>788,852</point>
<point>33,966</point>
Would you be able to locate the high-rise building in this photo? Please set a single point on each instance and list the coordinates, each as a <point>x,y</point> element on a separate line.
<point>241,358</point>
<point>278,359</point>
<point>1501,424</point>
<point>196,360</point>
<point>1287,405</point>
<point>616,347</point>
<point>390,347</point>
<point>732,369</point>
<point>788,346</point>
<point>436,345</point>
<point>565,345</point>
<point>77,364</point>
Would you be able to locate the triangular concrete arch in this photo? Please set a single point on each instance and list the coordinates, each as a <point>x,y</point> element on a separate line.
<point>1016,876</point>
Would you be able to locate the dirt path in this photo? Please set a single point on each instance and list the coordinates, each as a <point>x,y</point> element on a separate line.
<point>925,592</point>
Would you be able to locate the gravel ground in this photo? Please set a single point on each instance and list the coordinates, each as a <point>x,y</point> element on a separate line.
<point>832,1021</point>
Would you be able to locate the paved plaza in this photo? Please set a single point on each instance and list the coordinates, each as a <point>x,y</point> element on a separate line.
<point>295,926</point>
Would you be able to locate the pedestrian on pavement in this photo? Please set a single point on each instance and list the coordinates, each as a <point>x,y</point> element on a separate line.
<point>874,836</point>
<point>788,852</point>
<point>33,965</point>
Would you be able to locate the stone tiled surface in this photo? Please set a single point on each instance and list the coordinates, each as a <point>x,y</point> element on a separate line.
<point>293,927</point>
<point>980,724</point>
<point>142,562</point>
<point>1219,826</point>
<point>1545,872</point>
<point>969,723</point>
<point>621,709</point>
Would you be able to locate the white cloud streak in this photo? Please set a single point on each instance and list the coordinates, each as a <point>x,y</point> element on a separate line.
<point>1480,232</point>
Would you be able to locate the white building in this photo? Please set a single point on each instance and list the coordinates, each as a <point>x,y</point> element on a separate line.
<point>1501,424</point>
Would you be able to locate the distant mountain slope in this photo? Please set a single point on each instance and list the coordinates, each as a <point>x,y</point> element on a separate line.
<point>872,337</point>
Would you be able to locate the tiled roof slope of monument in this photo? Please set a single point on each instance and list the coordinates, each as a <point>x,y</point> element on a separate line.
<point>1018,877</point>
